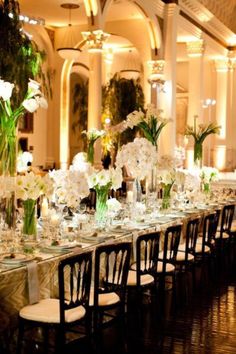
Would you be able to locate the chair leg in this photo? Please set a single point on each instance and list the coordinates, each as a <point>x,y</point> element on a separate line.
<point>20,336</point>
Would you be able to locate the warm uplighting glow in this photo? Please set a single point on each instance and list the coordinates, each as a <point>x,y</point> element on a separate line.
<point>91,7</point>
<point>220,157</point>
<point>189,159</point>
<point>195,49</point>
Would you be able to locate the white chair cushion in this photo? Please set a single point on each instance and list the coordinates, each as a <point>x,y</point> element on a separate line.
<point>199,248</point>
<point>144,279</point>
<point>169,267</point>
<point>182,247</point>
<point>225,235</point>
<point>47,311</point>
<point>134,265</point>
<point>181,257</point>
<point>105,299</point>
<point>199,241</point>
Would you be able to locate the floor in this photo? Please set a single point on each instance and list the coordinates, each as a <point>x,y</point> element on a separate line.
<point>202,321</point>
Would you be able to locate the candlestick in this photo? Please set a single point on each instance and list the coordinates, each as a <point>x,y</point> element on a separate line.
<point>130,197</point>
<point>44,207</point>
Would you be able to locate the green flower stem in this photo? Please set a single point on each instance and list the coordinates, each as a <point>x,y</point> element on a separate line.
<point>90,153</point>
<point>197,152</point>
<point>206,188</point>
<point>166,196</point>
<point>101,206</point>
<point>29,221</point>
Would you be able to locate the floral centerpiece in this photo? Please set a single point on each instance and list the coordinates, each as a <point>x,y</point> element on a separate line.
<point>138,157</point>
<point>208,175</point>
<point>29,187</point>
<point>199,135</point>
<point>167,175</point>
<point>102,181</point>
<point>150,122</point>
<point>9,119</point>
<point>70,186</point>
<point>92,135</point>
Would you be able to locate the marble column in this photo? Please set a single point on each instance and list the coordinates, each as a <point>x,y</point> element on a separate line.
<point>95,99</point>
<point>221,67</point>
<point>167,100</point>
<point>195,52</point>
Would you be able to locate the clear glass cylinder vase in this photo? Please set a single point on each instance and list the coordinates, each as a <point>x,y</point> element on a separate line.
<point>30,220</point>
<point>101,206</point>
<point>197,156</point>
<point>166,197</point>
<point>90,152</point>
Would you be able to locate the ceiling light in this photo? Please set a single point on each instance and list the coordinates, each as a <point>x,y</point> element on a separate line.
<point>131,65</point>
<point>67,51</point>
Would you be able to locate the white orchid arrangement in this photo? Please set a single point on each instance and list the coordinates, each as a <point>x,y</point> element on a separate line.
<point>208,174</point>
<point>138,157</point>
<point>110,179</point>
<point>31,186</point>
<point>69,187</point>
<point>9,119</point>
<point>151,122</point>
<point>80,163</point>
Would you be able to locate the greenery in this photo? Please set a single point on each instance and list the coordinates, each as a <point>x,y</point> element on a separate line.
<point>121,97</point>
<point>80,106</point>
<point>20,59</point>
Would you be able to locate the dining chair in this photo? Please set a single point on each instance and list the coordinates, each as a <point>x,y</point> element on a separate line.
<point>143,271</point>
<point>107,300</point>
<point>186,252</point>
<point>65,313</point>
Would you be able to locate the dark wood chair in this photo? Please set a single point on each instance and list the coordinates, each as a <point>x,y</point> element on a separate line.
<point>67,312</point>
<point>108,297</point>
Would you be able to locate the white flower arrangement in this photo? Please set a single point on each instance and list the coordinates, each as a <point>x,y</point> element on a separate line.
<point>150,122</point>
<point>113,205</point>
<point>93,134</point>
<point>69,187</point>
<point>166,176</point>
<point>23,159</point>
<point>208,174</point>
<point>138,156</point>
<point>80,163</point>
<point>31,186</point>
<point>111,178</point>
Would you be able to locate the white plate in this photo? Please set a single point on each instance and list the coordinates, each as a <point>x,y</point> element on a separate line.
<point>18,258</point>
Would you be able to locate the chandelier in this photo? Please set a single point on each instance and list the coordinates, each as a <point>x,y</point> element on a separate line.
<point>132,67</point>
<point>95,40</point>
<point>67,51</point>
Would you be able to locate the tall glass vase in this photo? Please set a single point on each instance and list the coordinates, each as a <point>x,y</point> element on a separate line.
<point>29,220</point>
<point>197,154</point>
<point>166,197</point>
<point>90,152</point>
<point>8,147</point>
<point>101,205</point>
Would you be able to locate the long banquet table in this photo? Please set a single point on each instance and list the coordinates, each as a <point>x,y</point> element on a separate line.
<point>15,283</point>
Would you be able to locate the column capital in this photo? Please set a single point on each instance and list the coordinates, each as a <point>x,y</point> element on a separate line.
<point>195,48</point>
<point>222,65</point>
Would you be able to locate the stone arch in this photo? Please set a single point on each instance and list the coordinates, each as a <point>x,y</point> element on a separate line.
<point>152,23</point>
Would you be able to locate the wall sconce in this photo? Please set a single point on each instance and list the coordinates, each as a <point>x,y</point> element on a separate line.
<point>95,40</point>
<point>156,77</point>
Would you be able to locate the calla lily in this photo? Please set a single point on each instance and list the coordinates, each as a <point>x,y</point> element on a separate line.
<point>31,105</point>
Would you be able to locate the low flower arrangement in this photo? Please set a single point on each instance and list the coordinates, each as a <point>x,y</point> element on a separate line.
<point>69,187</point>
<point>208,175</point>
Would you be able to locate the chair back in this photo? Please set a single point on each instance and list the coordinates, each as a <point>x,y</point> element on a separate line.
<point>74,282</point>
<point>226,219</point>
<point>147,251</point>
<point>111,269</point>
<point>171,244</point>
<point>210,223</point>
<point>191,236</point>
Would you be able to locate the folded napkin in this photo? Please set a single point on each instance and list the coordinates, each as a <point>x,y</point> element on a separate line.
<point>33,282</point>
